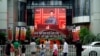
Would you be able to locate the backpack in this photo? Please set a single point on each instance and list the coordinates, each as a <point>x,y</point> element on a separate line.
<point>55,52</point>
<point>42,48</point>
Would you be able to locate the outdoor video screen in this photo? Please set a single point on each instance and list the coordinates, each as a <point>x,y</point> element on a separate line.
<point>50,17</point>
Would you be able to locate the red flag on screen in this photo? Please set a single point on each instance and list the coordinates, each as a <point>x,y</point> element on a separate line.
<point>23,33</point>
<point>17,33</point>
<point>9,34</point>
<point>75,33</point>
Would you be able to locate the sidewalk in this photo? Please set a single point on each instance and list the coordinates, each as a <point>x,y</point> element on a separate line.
<point>28,53</point>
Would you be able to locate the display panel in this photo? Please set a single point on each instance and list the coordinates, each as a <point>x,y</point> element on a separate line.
<point>17,33</point>
<point>50,18</point>
<point>22,33</point>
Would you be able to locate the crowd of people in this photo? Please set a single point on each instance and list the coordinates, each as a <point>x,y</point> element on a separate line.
<point>13,48</point>
<point>45,48</point>
<point>17,49</point>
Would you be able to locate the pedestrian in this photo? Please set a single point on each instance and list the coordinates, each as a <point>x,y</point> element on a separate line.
<point>12,51</point>
<point>7,49</point>
<point>79,49</point>
<point>47,44</point>
<point>55,49</point>
<point>17,47</point>
<point>65,48</point>
<point>23,50</point>
<point>33,47</point>
<point>42,49</point>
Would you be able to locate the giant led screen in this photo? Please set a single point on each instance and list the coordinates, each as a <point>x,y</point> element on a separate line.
<point>50,18</point>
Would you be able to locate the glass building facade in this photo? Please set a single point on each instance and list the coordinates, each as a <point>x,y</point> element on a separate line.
<point>24,11</point>
<point>81,8</point>
<point>79,11</point>
<point>31,5</point>
<point>74,8</point>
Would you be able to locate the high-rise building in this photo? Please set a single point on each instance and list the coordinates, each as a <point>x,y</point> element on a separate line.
<point>78,12</point>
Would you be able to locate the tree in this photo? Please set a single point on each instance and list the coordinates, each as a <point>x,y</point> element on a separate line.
<point>86,36</point>
<point>98,37</point>
<point>83,32</point>
<point>28,34</point>
<point>89,38</point>
<point>2,38</point>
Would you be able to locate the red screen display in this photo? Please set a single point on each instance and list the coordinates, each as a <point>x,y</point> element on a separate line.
<point>50,18</point>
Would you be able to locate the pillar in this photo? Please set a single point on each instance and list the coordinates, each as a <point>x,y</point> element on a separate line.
<point>95,16</point>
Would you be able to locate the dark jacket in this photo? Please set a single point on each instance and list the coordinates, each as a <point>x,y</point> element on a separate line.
<point>79,49</point>
<point>23,49</point>
<point>7,49</point>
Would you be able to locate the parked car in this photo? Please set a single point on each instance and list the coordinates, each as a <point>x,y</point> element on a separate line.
<point>93,49</point>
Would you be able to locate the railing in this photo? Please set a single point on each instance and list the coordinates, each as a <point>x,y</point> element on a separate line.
<point>71,50</point>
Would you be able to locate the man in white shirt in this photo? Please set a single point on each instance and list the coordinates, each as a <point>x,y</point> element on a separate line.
<point>65,48</point>
<point>47,45</point>
<point>33,48</point>
<point>42,49</point>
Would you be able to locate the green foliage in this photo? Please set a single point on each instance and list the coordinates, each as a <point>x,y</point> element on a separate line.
<point>98,37</point>
<point>83,32</point>
<point>86,36</point>
<point>37,41</point>
<point>89,38</point>
<point>2,34</point>
<point>51,38</point>
<point>28,34</point>
<point>60,39</point>
<point>2,37</point>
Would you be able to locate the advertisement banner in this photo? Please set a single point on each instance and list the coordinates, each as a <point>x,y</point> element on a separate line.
<point>75,33</point>
<point>17,33</point>
<point>50,18</point>
<point>32,30</point>
<point>22,33</point>
<point>10,34</point>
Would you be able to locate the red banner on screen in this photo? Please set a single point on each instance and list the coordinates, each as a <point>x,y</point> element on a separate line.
<point>23,33</point>
<point>50,17</point>
<point>75,33</point>
<point>17,33</point>
<point>9,34</point>
<point>32,30</point>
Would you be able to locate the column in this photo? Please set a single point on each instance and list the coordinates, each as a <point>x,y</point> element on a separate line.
<point>3,15</point>
<point>12,10</point>
<point>95,16</point>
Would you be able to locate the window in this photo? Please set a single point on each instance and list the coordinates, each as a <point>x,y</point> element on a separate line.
<point>97,44</point>
<point>81,8</point>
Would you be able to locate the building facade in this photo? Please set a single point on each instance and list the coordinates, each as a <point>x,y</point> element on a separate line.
<point>21,13</point>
